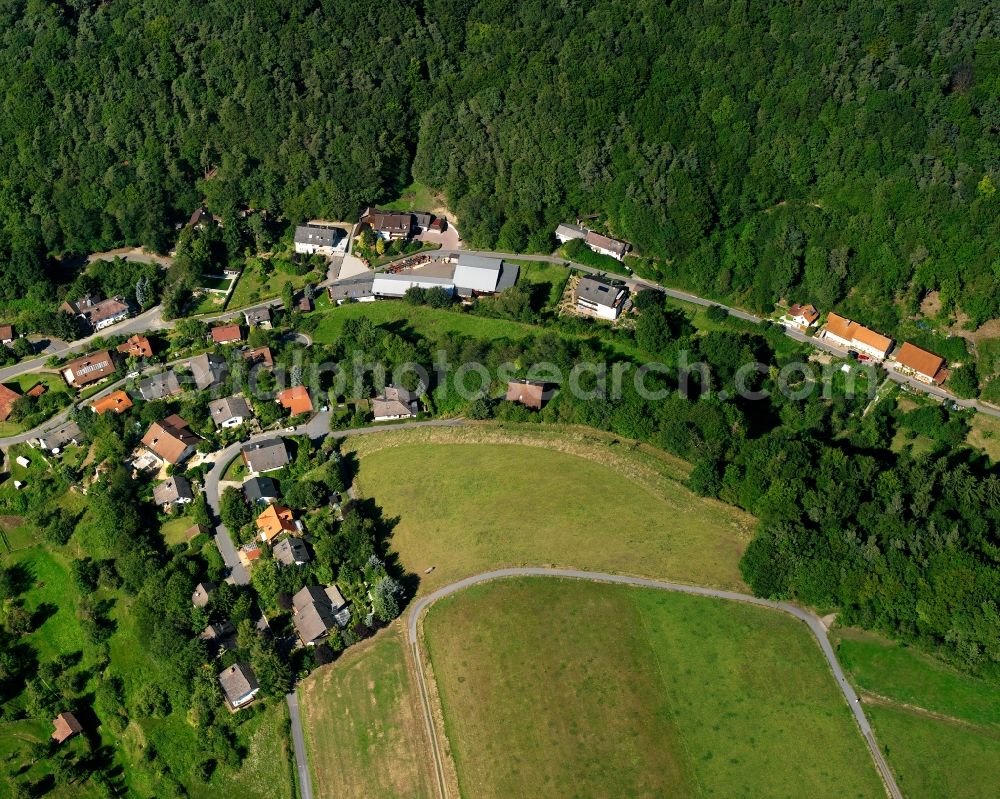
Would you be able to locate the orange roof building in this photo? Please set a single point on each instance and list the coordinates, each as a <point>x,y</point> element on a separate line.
<point>923,365</point>
<point>171,440</point>
<point>7,399</point>
<point>66,727</point>
<point>116,401</point>
<point>261,355</point>
<point>137,346</point>
<point>804,315</point>
<point>850,334</point>
<point>529,393</point>
<point>274,521</point>
<point>37,390</point>
<point>227,334</point>
<point>296,399</point>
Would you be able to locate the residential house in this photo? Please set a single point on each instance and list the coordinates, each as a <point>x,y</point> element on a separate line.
<point>259,490</point>
<point>802,316</point>
<point>265,456</point>
<point>7,399</point>
<point>229,412</point>
<point>291,552</point>
<point>605,245</point>
<point>845,333</point>
<point>99,314</point>
<point>218,638</point>
<point>529,393</point>
<point>353,289</point>
<point>395,402</point>
<point>6,334</point>
<point>388,225</point>
<point>259,357</point>
<point>296,400</point>
<point>239,685</point>
<point>566,232</point>
<point>275,520</point>
<point>422,221</point>
<point>89,369</point>
<point>202,593</point>
<point>923,365</point>
<point>171,440</point>
<point>66,726</point>
<point>258,317</point>
<point>316,610</point>
<point>249,553</point>
<point>59,438</point>
<point>137,347</point>
<point>305,303</point>
<point>481,275</point>
<point>160,386</point>
<point>175,490</point>
<point>604,299</point>
<point>208,370</point>
<point>226,334</point>
<point>315,239</point>
<point>200,218</point>
<point>116,402</point>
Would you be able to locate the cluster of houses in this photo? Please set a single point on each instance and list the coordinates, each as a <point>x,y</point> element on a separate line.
<point>597,242</point>
<point>867,344</point>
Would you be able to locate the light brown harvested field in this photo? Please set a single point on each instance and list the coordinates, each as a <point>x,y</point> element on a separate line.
<point>363,726</point>
<point>473,499</point>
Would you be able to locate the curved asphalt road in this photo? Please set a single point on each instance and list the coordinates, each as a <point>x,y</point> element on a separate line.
<point>812,621</point>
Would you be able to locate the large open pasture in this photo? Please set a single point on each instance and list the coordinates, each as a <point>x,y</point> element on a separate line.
<point>473,499</point>
<point>555,688</point>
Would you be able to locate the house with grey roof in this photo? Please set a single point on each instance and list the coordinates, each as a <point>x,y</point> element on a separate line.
<point>566,232</point>
<point>229,412</point>
<point>175,490</point>
<point>258,317</point>
<point>395,402</point>
<point>201,594</point>
<point>396,285</point>
<point>483,275</point>
<point>218,638</point>
<point>353,289</point>
<point>315,239</point>
<point>605,245</point>
<point>160,386</point>
<point>239,685</point>
<point>57,439</point>
<point>291,551</point>
<point>317,610</point>
<point>265,456</point>
<point>604,299</point>
<point>208,370</point>
<point>260,490</point>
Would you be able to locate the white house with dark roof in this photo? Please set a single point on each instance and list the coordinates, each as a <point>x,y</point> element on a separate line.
<point>395,402</point>
<point>566,232</point>
<point>601,298</point>
<point>239,685</point>
<point>316,239</point>
<point>229,412</point>
<point>175,490</point>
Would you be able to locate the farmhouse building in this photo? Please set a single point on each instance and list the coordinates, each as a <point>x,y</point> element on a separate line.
<point>229,412</point>
<point>66,726</point>
<point>265,456</point>
<point>601,298</point>
<point>89,369</point>
<point>116,402</point>
<point>316,610</point>
<point>845,333</point>
<point>923,365</point>
<point>315,239</point>
<point>160,386</point>
<point>171,440</point>
<point>239,685</point>
<point>395,402</point>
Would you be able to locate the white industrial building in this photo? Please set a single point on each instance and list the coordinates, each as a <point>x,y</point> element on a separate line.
<point>397,285</point>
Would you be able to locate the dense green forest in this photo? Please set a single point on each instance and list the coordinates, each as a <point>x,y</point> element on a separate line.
<point>755,150</point>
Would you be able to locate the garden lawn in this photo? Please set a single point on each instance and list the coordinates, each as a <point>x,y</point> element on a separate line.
<point>173,529</point>
<point>468,501</point>
<point>984,434</point>
<point>254,287</point>
<point>415,197</point>
<point>363,727</point>
<point>549,278</point>
<point>554,688</point>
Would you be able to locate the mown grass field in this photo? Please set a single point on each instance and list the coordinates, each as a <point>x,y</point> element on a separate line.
<point>363,725</point>
<point>554,688</point>
<point>984,434</point>
<point>545,497</point>
<point>254,286</point>
<point>921,708</point>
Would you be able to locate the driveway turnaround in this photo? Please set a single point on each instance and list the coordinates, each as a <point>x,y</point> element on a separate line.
<point>812,621</point>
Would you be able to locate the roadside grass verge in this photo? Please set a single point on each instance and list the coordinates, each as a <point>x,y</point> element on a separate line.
<point>494,495</point>
<point>555,687</point>
<point>363,725</point>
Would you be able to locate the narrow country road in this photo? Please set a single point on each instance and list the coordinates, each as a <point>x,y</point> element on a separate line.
<point>299,747</point>
<point>811,620</point>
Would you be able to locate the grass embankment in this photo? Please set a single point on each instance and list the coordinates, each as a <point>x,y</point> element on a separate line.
<point>492,495</point>
<point>260,282</point>
<point>415,197</point>
<point>921,708</point>
<point>555,688</point>
<point>363,727</point>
